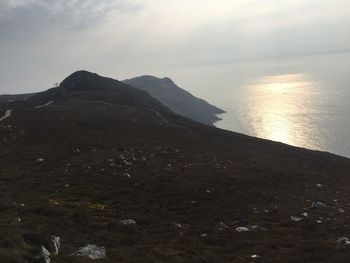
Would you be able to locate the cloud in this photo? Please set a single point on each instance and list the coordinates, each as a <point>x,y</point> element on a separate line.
<point>30,19</point>
<point>42,41</point>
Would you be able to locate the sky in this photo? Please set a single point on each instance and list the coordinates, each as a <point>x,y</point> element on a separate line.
<point>43,41</point>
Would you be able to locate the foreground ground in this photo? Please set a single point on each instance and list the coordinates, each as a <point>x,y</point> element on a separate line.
<point>78,170</point>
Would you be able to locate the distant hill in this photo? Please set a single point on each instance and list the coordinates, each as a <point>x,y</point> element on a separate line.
<point>177,99</point>
<point>86,86</point>
<point>16,97</point>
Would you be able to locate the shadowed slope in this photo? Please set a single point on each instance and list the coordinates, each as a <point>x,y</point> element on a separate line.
<point>178,100</point>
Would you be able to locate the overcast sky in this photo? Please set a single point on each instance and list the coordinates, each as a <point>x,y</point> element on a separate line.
<point>42,41</point>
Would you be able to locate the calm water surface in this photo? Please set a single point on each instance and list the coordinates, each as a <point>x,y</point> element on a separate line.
<point>302,101</point>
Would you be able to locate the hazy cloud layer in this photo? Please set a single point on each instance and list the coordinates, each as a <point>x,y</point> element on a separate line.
<point>41,41</point>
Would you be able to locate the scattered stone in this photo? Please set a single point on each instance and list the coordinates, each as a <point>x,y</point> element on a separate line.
<point>318,205</point>
<point>128,222</point>
<point>296,218</point>
<point>222,226</point>
<point>44,256</point>
<point>178,225</point>
<point>319,185</point>
<point>76,150</point>
<point>204,235</point>
<point>15,221</point>
<point>208,191</point>
<point>39,160</point>
<point>255,256</point>
<point>53,244</point>
<point>319,221</point>
<point>343,241</point>
<point>90,251</point>
<point>256,228</point>
<point>340,210</point>
<point>305,214</point>
<point>242,229</point>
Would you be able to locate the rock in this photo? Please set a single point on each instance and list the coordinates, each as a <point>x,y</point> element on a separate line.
<point>90,251</point>
<point>340,210</point>
<point>39,160</point>
<point>318,205</point>
<point>256,228</point>
<point>178,225</point>
<point>53,244</point>
<point>296,218</point>
<point>15,221</point>
<point>128,222</point>
<point>319,185</point>
<point>343,241</point>
<point>222,226</point>
<point>319,221</point>
<point>305,214</point>
<point>242,229</point>
<point>44,256</point>
<point>255,256</point>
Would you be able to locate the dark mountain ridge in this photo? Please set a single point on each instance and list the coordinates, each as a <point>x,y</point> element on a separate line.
<point>177,99</point>
<point>84,85</point>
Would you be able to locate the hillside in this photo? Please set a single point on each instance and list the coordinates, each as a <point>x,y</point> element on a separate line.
<point>95,161</point>
<point>14,97</point>
<point>178,100</point>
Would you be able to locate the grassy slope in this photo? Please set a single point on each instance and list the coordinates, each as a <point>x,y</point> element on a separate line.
<point>83,196</point>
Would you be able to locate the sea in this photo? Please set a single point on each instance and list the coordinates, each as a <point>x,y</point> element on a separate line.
<point>299,100</point>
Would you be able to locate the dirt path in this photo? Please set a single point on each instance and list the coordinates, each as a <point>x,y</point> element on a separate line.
<point>45,105</point>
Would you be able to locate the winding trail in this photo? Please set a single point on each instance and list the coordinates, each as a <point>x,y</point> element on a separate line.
<point>45,105</point>
<point>7,114</point>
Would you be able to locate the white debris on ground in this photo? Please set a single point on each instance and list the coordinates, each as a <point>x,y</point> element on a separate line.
<point>44,255</point>
<point>128,222</point>
<point>91,251</point>
<point>7,115</point>
<point>305,214</point>
<point>296,218</point>
<point>319,185</point>
<point>255,256</point>
<point>44,105</point>
<point>242,229</point>
<point>39,160</point>
<point>343,241</point>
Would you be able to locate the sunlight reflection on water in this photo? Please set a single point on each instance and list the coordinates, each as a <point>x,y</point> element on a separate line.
<point>275,109</point>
